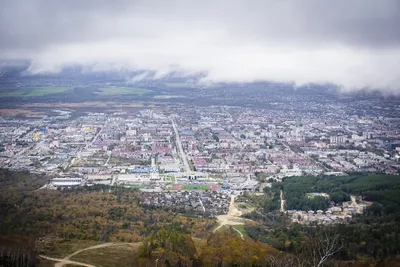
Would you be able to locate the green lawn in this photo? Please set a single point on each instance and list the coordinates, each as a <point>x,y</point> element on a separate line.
<point>32,92</point>
<point>123,91</point>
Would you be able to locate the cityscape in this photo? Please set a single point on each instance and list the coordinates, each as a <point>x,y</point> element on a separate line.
<point>165,151</point>
<point>199,133</point>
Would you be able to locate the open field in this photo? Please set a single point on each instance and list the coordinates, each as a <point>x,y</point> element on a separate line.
<point>67,247</point>
<point>88,104</point>
<point>45,263</point>
<point>123,91</point>
<point>18,112</point>
<point>112,256</point>
<point>33,92</point>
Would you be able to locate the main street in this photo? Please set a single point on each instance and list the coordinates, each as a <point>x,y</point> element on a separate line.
<point>180,148</point>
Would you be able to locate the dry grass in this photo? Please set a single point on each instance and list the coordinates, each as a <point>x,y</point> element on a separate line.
<point>113,256</point>
<point>45,263</point>
<point>65,248</point>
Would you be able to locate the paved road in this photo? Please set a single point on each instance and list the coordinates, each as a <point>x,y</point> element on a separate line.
<point>96,136</point>
<point>25,149</point>
<point>311,158</point>
<point>109,157</point>
<point>180,148</point>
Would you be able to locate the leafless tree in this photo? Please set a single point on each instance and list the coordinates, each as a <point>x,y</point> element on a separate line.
<point>321,246</point>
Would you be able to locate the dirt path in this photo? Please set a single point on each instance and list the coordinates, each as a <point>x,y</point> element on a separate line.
<point>240,233</point>
<point>66,260</point>
<point>232,218</point>
<point>63,262</point>
<point>282,202</point>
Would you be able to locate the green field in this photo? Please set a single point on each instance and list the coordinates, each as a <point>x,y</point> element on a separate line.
<point>195,187</point>
<point>32,92</point>
<point>123,91</point>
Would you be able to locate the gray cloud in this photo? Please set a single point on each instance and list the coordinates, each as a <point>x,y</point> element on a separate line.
<point>354,43</point>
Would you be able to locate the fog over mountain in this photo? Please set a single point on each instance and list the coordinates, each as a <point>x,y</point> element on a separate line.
<point>354,44</point>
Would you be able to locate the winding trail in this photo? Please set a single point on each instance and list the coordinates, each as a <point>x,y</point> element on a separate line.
<point>66,260</point>
<point>240,233</point>
<point>62,262</point>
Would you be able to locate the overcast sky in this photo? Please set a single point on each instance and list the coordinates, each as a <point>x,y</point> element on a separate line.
<point>352,43</point>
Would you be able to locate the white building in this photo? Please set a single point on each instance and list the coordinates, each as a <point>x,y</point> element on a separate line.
<point>67,181</point>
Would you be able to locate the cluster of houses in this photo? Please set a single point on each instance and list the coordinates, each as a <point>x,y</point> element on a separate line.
<point>205,203</point>
<point>335,214</point>
<point>216,139</point>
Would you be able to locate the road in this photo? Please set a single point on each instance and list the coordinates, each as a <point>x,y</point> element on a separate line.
<point>309,157</point>
<point>180,148</point>
<point>109,157</point>
<point>96,136</point>
<point>87,146</point>
<point>201,203</point>
<point>113,181</point>
<point>24,150</point>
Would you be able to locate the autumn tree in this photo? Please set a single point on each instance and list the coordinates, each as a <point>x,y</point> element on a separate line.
<point>225,249</point>
<point>167,248</point>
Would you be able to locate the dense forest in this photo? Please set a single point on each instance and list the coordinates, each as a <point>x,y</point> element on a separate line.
<point>97,213</point>
<point>374,234</point>
<point>35,222</point>
<point>381,188</point>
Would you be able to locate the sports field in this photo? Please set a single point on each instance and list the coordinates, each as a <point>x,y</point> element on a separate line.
<point>195,187</point>
<point>123,91</point>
